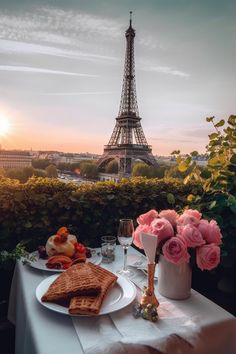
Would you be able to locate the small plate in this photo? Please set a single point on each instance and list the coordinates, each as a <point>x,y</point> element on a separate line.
<point>120,296</point>
<point>40,263</point>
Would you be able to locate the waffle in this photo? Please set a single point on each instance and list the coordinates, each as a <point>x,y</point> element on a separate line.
<point>77,280</point>
<point>91,305</point>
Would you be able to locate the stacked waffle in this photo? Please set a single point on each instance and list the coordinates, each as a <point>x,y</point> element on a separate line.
<point>83,287</point>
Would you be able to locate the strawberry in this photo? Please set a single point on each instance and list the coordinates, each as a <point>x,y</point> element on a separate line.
<point>57,239</point>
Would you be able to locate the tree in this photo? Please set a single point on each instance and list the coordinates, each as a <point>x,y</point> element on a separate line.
<point>51,171</point>
<point>15,173</point>
<point>112,167</point>
<point>141,169</point>
<point>27,172</point>
<point>39,173</point>
<point>88,169</point>
<point>40,163</point>
<point>2,172</point>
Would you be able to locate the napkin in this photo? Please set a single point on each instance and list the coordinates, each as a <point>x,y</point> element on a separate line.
<point>149,243</point>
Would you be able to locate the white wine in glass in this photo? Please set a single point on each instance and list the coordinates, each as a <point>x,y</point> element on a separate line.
<point>125,238</point>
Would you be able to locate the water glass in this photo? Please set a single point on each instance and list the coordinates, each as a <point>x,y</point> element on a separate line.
<point>108,246</point>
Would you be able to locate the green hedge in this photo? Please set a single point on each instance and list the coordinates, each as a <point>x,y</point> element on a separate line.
<point>35,210</point>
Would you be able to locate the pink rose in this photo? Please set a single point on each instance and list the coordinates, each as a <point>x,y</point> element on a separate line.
<point>162,228</point>
<point>210,231</point>
<point>169,215</point>
<point>186,218</point>
<point>175,251</point>
<point>203,227</point>
<point>191,235</point>
<point>148,217</point>
<point>208,256</point>
<point>194,213</point>
<point>136,234</point>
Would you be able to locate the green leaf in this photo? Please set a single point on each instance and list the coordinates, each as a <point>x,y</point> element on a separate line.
<point>170,198</point>
<point>213,135</point>
<point>194,153</point>
<point>233,222</point>
<point>190,198</point>
<point>220,123</point>
<point>183,166</point>
<point>175,152</point>
<point>232,120</point>
<point>210,119</point>
<point>233,159</point>
<point>214,161</point>
<point>213,204</point>
<point>28,225</point>
<point>205,174</point>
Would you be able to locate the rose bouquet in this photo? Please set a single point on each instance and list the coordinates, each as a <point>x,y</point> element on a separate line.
<point>180,236</point>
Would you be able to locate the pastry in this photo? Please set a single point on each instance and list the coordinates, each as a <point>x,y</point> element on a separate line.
<point>91,305</point>
<point>77,280</point>
<point>61,243</point>
<point>59,262</point>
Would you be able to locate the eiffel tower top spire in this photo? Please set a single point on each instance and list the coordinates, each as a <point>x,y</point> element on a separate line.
<point>128,103</point>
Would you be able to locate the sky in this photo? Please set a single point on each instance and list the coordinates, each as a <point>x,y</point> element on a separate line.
<point>62,62</point>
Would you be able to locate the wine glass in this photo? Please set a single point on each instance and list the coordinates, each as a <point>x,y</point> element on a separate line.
<point>125,238</point>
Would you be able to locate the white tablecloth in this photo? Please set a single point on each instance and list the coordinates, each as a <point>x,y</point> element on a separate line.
<point>42,331</point>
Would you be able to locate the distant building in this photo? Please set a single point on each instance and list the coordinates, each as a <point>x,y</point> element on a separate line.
<point>14,159</point>
<point>105,177</point>
<point>60,157</point>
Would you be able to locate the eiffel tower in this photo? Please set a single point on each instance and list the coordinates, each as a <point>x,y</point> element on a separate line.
<point>127,142</point>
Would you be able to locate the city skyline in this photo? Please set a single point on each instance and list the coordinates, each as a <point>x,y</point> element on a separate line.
<point>61,71</point>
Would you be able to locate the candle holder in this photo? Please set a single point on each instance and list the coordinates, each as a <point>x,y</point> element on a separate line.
<point>148,304</point>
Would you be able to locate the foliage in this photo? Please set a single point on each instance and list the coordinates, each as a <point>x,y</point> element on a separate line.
<point>2,172</point>
<point>143,170</point>
<point>51,171</point>
<point>112,167</point>
<point>88,169</point>
<point>35,210</point>
<point>22,174</point>
<point>66,166</point>
<point>219,184</point>
<point>19,252</point>
<point>41,164</point>
<point>39,173</point>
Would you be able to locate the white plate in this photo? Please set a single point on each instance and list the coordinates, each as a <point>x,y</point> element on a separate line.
<point>40,263</point>
<point>121,295</point>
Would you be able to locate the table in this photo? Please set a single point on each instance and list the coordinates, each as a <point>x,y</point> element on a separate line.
<point>41,331</point>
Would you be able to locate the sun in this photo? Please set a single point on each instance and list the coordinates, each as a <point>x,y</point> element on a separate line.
<point>4,125</point>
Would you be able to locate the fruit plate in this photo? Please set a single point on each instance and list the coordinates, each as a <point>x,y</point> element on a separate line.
<point>120,296</point>
<point>40,263</point>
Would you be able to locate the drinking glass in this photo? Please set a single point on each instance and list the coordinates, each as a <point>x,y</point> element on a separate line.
<point>125,238</point>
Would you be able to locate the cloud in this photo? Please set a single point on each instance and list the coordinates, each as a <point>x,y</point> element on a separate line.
<point>166,70</point>
<point>69,25</point>
<point>31,48</point>
<point>41,71</point>
<point>76,93</point>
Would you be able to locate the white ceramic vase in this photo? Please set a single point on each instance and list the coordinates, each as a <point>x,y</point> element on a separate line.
<point>174,281</point>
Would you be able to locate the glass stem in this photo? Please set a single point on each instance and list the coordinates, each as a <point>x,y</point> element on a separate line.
<point>125,258</point>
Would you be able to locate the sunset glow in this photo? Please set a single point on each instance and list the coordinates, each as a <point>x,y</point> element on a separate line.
<point>4,125</point>
<point>62,67</point>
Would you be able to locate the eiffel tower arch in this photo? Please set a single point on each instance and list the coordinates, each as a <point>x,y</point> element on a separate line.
<point>127,142</point>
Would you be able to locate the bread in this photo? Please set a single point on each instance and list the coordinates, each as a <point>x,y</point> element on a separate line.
<point>91,305</point>
<point>77,280</point>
